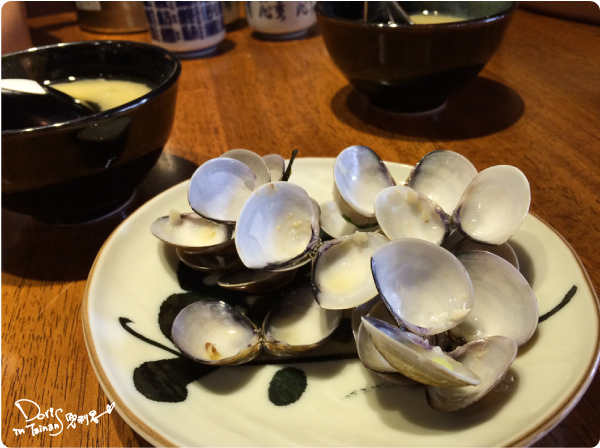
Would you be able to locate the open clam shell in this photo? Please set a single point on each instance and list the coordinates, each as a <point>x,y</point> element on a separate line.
<point>213,332</point>
<point>504,304</point>
<point>219,188</point>
<point>402,212</point>
<point>442,176</point>
<point>192,232</point>
<point>494,205</point>
<point>276,165</point>
<point>415,358</point>
<point>214,262</point>
<point>277,228</point>
<point>367,353</point>
<point>504,250</point>
<point>297,322</point>
<point>489,358</point>
<point>257,163</point>
<point>334,225</point>
<point>341,272</point>
<point>424,286</point>
<point>359,174</point>
<point>253,281</point>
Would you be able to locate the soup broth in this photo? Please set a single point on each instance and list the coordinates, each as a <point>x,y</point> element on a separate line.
<point>429,18</point>
<point>107,93</point>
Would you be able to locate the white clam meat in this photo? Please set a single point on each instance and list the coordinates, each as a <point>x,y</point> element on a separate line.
<point>277,228</point>
<point>424,286</point>
<point>489,358</point>
<point>504,304</point>
<point>494,205</point>
<point>359,175</point>
<point>403,212</point>
<point>341,271</point>
<point>442,176</point>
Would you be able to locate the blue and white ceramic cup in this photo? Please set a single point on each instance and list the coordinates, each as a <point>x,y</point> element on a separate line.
<point>189,29</point>
<point>280,20</point>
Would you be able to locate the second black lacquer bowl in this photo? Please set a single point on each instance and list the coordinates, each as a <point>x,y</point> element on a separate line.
<point>412,68</point>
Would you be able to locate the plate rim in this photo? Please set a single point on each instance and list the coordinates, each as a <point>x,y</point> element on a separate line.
<point>149,434</point>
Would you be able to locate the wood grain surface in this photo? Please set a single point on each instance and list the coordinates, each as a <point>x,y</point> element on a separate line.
<point>536,105</point>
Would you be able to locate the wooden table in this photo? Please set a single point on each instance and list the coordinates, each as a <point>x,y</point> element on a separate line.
<point>536,105</point>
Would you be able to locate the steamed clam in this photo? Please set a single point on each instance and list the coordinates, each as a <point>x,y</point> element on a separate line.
<point>192,232</point>
<point>341,272</point>
<point>277,228</point>
<point>494,205</point>
<point>424,286</point>
<point>214,332</point>
<point>403,212</point>
<point>489,358</point>
<point>421,263</point>
<point>442,176</point>
<point>358,176</point>
<point>297,322</point>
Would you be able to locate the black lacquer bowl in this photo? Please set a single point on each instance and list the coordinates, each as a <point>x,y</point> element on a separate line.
<point>412,68</point>
<point>84,168</point>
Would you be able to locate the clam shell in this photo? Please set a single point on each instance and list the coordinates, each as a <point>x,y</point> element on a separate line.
<point>277,228</point>
<point>494,205</point>
<point>442,176</point>
<point>192,232</point>
<point>359,174</point>
<point>297,322</point>
<point>334,224</point>
<point>276,165</point>
<point>257,163</point>
<point>504,250</point>
<point>215,333</point>
<point>504,304</point>
<point>253,281</point>
<point>214,262</point>
<point>219,188</point>
<point>367,352</point>
<point>402,212</point>
<point>415,358</point>
<point>424,286</point>
<point>341,271</point>
<point>489,358</point>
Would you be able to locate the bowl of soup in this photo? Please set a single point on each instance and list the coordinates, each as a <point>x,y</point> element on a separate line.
<point>412,67</point>
<point>70,170</point>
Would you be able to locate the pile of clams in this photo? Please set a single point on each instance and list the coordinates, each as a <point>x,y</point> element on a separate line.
<point>422,266</point>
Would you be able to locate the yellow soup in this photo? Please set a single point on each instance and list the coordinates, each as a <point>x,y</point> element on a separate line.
<point>107,93</point>
<point>426,18</point>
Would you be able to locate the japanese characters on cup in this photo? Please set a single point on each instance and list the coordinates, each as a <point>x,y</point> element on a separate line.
<point>282,20</point>
<point>186,28</point>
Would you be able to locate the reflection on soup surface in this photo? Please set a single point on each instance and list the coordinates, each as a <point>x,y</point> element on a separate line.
<point>428,18</point>
<point>107,93</point>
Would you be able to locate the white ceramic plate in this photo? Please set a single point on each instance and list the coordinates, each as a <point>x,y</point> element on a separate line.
<point>343,404</point>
